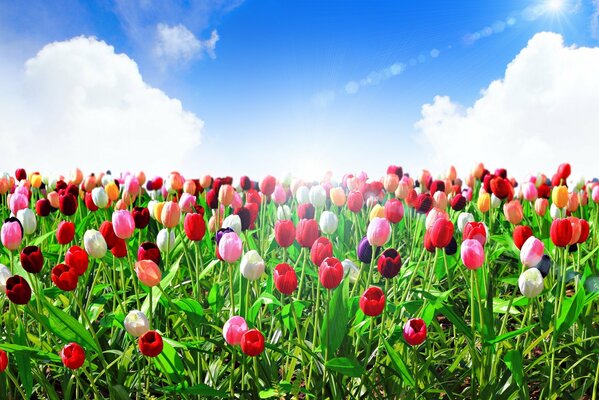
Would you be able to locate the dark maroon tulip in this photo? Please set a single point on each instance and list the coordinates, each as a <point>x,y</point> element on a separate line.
<point>458,202</point>
<point>245,216</point>
<point>67,204</point>
<point>245,183</point>
<point>394,169</point>
<point>149,251</point>
<point>423,203</point>
<point>141,216</point>
<point>389,263</point>
<point>212,199</point>
<point>18,290</point>
<point>43,207</point>
<point>437,186</point>
<point>20,174</point>
<point>32,259</point>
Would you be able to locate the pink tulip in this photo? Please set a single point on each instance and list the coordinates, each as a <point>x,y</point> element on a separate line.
<point>379,232</point>
<point>18,201</point>
<point>187,202</point>
<point>529,191</point>
<point>595,194</point>
<point>230,247</point>
<point>532,252</point>
<point>473,255</point>
<point>123,224</point>
<point>12,233</point>
<point>513,212</point>
<point>171,214</point>
<point>234,329</point>
<point>541,206</point>
<point>279,196</point>
<point>148,272</point>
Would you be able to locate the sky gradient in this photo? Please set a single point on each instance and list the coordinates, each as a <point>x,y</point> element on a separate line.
<point>257,87</point>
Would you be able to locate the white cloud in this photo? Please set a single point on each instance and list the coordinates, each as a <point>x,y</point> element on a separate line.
<point>176,44</point>
<point>78,103</point>
<point>323,99</point>
<point>541,113</point>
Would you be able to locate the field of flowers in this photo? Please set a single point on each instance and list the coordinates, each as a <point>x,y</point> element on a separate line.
<point>407,286</point>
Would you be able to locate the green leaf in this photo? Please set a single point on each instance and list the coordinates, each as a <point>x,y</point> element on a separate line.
<point>65,327</point>
<point>571,309</point>
<point>265,298</point>
<point>169,361</point>
<point>189,306</point>
<point>164,283</point>
<point>208,268</point>
<point>513,361</point>
<point>510,335</point>
<point>23,361</point>
<point>198,390</point>
<point>345,366</point>
<point>399,364</point>
<point>287,315</point>
<point>215,300</point>
<point>335,322</point>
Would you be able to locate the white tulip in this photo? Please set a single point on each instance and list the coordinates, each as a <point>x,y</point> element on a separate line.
<point>252,265</point>
<point>328,222</point>
<point>28,220</point>
<point>531,283</point>
<point>161,240</point>
<point>94,243</point>
<point>136,323</point>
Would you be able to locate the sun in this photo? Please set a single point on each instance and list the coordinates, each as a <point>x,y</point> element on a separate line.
<point>555,5</point>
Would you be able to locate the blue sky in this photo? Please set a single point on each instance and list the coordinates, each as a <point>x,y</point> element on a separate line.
<point>285,85</point>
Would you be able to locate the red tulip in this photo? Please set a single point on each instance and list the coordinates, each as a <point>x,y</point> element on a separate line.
<point>89,202</point>
<point>306,211</point>
<point>18,290</point>
<point>150,344</point>
<point>394,211</point>
<point>32,259</point>
<point>584,231</point>
<point>267,186</point>
<point>330,273</point>
<point>64,277</point>
<point>77,259</point>
<point>195,226</point>
<point>414,331</point>
<point>72,356</point>
<point>389,263</point>
<point>561,232</point>
<point>306,232</point>
<point>500,187</point>
<point>423,203</point>
<point>252,342</point>
<point>476,231</point>
<point>321,249</point>
<point>355,201</point>
<point>20,174</point>
<point>521,233</point>
<point>458,202</point>
<point>3,361</point>
<point>441,233</point>
<point>372,301</point>
<point>284,233</point>
<point>65,232</point>
<point>428,244</point>
<point>285,278</point>
<point>108,234</point>
<point>120,249</point>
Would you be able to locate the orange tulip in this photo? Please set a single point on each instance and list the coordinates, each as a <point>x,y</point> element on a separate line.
<point>112,191</point>
<point>170,214</point>
<point>513,212</point>
<point>337,196</point>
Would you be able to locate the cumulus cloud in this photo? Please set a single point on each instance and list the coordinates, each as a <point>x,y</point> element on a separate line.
<point>176,44</point>
<point>541,113</point>
<point>78,103</point>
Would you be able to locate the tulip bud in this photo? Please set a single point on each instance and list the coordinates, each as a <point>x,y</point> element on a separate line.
<point>330,273</point>
<point>285,278</point>
<point>252,343</point>
<point>28,221</point>
<point>414,331</point>
<point>561,232</point>
<point>252,265</point>
<point>378,232</point>
<point>72,356</point>
<point>230,247</point>
<point>170,214</point>
<point>541,206</point>
<point>11,234</point>
<point>94,243</point>
<point>123,224</point>
<point>3,361</point>
<point>472,253</point>
<point>317,196</point>
<point>372,301</point>
<point>513,212</point>
<point>234,329</point>
<point>559,196</point>
<point>306,232</point>
<point>18,290</point>
<point>148,272</point>
<point>337,196</point>
<point>531,283</point>
<point>328,222</point>
<point>463,219</point>
<point>484,202</point>
<point>389,263</point>
<point>165,240</point>
<point>521,234</point>
<point>150,344</point>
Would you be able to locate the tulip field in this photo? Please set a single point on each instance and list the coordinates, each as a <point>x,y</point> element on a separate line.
<point>395,286</point>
